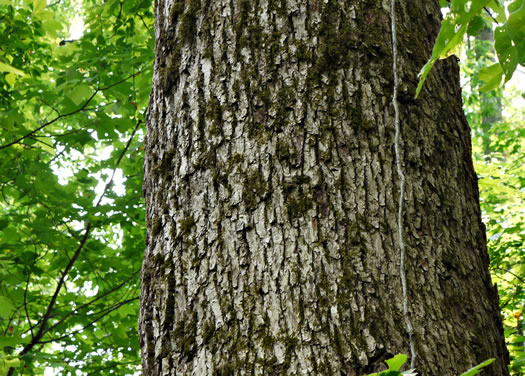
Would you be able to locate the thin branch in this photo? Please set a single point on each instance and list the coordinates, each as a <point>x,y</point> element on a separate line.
<point>49,123</point>
<point>51,107</point>
<point>85,305</point>
<point>53,4</point>
<point>99,106</point>
<point>143,22</point>
<point>68,114</point>
<point>104,313</point>
<point>36,339</point>
<point>60,134</point>
<point>25,303</point>
<point>47,315</point>
<point>511,273</point>
<point>490,14</point>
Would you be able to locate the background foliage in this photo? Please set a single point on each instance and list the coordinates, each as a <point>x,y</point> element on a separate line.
<point>72,236</point>
<point>498,137</point>
<point>71,207</point>
<point>469,17</point>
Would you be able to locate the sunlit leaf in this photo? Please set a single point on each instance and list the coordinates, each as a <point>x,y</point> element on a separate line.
<point>39,5</point>
<point>8,68</point>
<point>477,369</point>
<point>6,307</point>
<point>492,76</point>
<point>396,362</point>
<point>516,27</point>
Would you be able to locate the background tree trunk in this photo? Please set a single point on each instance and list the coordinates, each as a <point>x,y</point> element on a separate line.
<point>271,191</point>
<point>490,103</point>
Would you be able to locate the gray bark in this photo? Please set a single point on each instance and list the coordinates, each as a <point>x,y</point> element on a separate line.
<point>271,192</point>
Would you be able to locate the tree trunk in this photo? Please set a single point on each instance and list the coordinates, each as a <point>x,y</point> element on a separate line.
<point>272,195</point>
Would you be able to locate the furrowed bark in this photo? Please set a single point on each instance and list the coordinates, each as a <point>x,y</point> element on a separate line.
<point>271,192</point>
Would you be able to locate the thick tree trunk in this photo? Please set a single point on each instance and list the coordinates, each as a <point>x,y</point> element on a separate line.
<point>272,195</point>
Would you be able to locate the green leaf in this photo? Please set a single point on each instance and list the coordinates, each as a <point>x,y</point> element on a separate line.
<point>497,6</point>
<point>492,76</point>
<point>477,369</point>
<point>7,68</point>
<point>51,27</point>
<point>516,27</point>
<point>507,52</point>
<point>11,79</point>
<point>39,5</point>
<point>446,44</point>
<point>10,235</point>
<point>6,307</point>
<point>396,362</point>
<point>80,93</point>
<point>5,364</point>
<point>475,25</point>
<point>423,75</point>
<point>12,341</point>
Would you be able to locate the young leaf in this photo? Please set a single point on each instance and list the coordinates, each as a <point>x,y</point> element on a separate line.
<point>7,68</point>
<point>396,362</point>
<point>39,5</point>
<point>475,370</point>
<point>6,307</point>
<point>516,27</point>
<point>475,25</point>
<point>507,52</point>
<point>80,93</point>
<point>497,6</point>
<point>492,76</point>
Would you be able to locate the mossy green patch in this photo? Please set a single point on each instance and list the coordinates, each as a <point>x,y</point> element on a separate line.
<point>187,224</point>
<point>188,22</point>
<point>176,10</point>
<point>214,113</point>
<point>207,331</point>
<point>169,75</point>
<point>255,189</point>
<point>285,151</point>
<point>185,334</point>
<point>296,206</point>
<point>157,226</point>
<point>164,167</point>
<point>225,370</point>
<point>335,41</point>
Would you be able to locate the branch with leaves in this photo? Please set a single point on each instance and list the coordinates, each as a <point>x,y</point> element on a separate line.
<point>469,17</point>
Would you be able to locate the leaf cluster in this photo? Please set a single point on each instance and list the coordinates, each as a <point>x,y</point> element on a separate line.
<point>71,207</point>
<point>468,17</point>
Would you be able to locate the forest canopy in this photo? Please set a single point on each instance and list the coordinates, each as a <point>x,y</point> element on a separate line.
<point>72,227</point>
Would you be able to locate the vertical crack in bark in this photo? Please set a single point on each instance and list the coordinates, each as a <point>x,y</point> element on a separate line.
<point>402,273</point>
